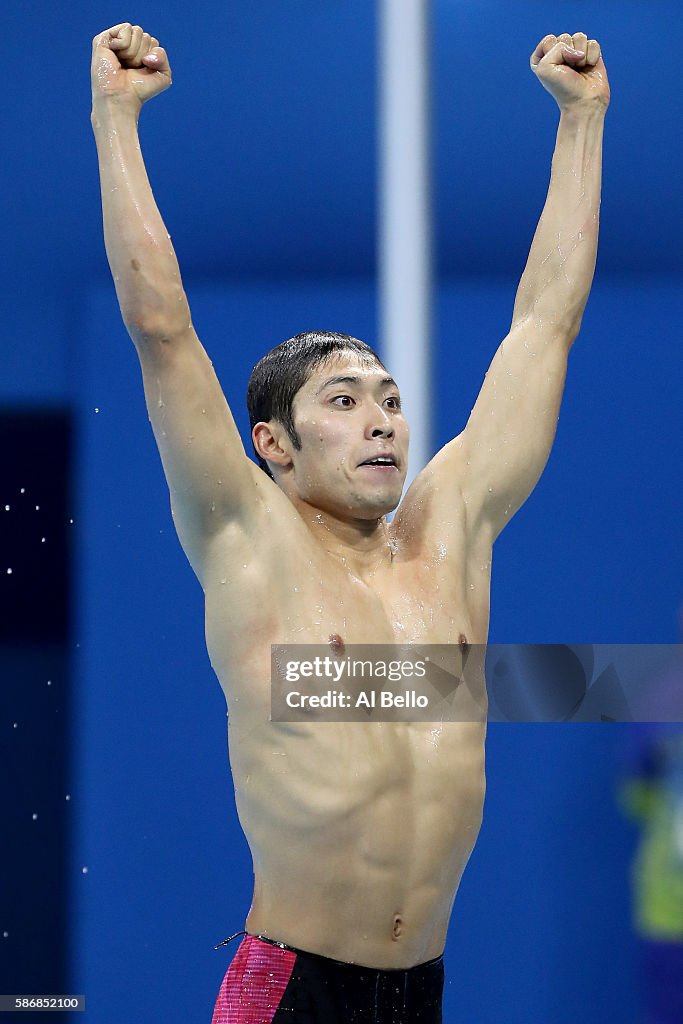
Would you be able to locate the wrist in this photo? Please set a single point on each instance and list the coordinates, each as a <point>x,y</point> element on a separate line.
<point>110,108</point>
<point>584,110</point>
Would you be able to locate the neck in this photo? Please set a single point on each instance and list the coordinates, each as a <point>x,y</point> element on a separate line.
<point>364,546</point>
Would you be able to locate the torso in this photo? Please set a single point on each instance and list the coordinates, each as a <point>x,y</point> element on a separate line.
<point>359,832</point>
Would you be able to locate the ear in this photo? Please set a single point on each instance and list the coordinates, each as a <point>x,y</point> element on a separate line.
<point>272,443</point>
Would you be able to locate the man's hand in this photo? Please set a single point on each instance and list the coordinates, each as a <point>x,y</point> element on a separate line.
<point>571,68</point>
<point>128,64</point>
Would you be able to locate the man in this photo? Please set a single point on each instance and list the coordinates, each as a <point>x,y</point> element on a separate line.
<point>359,832</point>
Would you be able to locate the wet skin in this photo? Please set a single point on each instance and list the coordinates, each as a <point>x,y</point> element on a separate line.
<point>359,832</point>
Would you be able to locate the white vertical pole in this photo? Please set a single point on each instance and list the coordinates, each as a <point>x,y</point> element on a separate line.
<point>404,214</point>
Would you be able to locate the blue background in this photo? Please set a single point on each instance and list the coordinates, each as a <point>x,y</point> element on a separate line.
<point>263,162</point>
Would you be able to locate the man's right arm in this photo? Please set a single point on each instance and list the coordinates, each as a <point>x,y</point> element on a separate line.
<point>210,478</point>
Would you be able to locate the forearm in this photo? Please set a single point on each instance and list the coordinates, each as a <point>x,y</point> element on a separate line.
<point>559,272</point>
<point>141,257</point>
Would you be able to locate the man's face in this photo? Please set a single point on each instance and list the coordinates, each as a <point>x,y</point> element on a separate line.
<point>347,414</point>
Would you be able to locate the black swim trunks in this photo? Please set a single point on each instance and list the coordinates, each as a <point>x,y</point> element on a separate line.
<point>271,983</point>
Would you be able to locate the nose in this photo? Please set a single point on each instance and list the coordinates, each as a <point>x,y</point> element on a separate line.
<point>379,424</point>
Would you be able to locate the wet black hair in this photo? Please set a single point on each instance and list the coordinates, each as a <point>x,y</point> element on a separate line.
<point>282,372</point>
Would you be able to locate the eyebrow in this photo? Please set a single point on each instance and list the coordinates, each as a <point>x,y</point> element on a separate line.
<point>343,379</point>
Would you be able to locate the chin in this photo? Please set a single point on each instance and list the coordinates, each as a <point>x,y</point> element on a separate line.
<point>357,502</point>
<point>373,506</point>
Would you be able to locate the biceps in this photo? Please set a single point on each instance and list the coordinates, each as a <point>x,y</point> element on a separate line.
<point>209,476</point>
<point>510,432</point>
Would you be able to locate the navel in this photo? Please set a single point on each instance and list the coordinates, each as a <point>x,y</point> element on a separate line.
<point>397,929</point>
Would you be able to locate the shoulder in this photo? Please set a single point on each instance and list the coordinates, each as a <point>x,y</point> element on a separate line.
<point>436,510</point>
<point>256,548</point>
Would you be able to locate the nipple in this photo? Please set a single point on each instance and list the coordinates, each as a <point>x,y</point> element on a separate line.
<point>336,643</point>
<point>464,648</point>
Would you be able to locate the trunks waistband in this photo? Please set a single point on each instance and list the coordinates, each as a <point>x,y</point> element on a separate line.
<point>343,963</point>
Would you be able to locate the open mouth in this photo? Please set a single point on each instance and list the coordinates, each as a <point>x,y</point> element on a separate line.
<point>380,463</point>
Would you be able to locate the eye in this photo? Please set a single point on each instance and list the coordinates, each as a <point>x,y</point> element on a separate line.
<point>395,400</point>
<point>343,399</point>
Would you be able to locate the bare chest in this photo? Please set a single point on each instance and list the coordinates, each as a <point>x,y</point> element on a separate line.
<point>304,597</point>
<point>309,599</point>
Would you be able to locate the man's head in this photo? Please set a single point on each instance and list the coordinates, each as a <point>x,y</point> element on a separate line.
<point>321,404</point>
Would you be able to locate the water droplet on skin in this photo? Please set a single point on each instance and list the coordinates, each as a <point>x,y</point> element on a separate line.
<point>436,732</point>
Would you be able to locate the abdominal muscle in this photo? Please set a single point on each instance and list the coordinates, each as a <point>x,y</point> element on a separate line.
<point>359,831</point>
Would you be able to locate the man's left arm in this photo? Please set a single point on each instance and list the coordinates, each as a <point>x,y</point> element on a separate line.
<point>498,458</point>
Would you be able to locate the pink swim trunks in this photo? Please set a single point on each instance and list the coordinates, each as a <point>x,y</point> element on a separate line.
<point>254,984</point>
<point>272,983</point>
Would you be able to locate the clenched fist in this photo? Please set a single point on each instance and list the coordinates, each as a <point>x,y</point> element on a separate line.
<point>128,64</point>
<point>571,68</point>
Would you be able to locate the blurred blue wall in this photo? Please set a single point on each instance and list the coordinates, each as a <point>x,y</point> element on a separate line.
<point>263,164</point>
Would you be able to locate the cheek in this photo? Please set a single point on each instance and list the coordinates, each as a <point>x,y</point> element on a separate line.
<point>324,436</point>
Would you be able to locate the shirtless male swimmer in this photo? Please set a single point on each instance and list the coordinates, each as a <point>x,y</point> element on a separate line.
<point>359,832</point>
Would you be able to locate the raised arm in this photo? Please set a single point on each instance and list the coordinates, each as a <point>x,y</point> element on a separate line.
<point>211,480</point>
<point>497,460</point>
